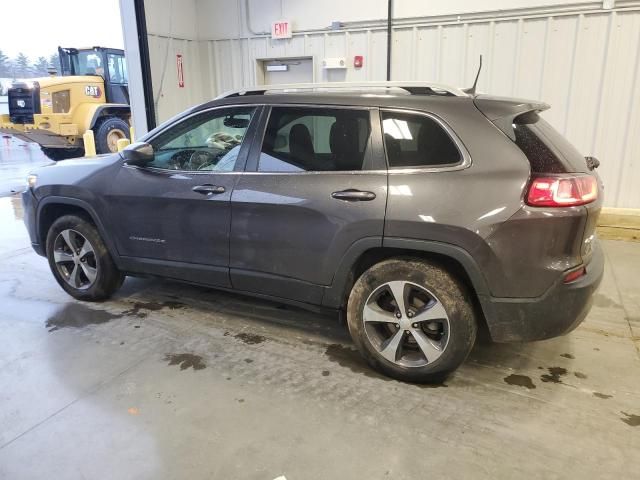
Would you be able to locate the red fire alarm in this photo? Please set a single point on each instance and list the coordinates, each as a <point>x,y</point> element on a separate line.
<point>358,60</point>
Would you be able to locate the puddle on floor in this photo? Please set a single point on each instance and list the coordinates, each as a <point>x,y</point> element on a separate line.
<point>185,360</point>
<point>520,381</point>
<point>77,315</point>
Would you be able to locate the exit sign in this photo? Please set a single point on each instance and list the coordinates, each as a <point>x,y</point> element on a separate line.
<point>281,29</point>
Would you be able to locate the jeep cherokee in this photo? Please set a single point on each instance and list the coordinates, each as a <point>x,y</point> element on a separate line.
<point>418,210</point>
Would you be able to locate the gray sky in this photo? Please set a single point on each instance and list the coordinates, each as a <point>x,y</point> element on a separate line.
<point>37,27</point>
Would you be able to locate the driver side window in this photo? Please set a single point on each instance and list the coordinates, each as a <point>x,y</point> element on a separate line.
<point>209,141</point>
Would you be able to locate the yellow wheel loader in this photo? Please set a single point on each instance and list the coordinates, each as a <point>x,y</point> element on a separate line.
<point>91,93</point>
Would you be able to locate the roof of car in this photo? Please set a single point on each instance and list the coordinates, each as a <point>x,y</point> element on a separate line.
<point>406,95</point>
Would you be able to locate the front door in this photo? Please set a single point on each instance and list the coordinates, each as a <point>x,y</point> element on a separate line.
<point>173,216</point>
<point>116,79</point>
<point>317,187</point>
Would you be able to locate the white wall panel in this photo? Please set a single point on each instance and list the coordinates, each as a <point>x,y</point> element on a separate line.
<point>170,98</point>
<point>452,46</point>
<point>581,59</point>
<point>530,68</point>
<point>417,8</point>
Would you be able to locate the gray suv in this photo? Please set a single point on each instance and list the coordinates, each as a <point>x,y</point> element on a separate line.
<point>419,211</point>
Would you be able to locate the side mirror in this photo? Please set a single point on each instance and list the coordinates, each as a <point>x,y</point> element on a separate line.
<point>138,154</point>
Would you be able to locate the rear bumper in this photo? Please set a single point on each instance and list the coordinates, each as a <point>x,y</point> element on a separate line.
<point>29,205</point>
<point>561,309</point>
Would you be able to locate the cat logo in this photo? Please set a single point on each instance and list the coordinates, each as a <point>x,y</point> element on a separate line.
<point>92,91</point>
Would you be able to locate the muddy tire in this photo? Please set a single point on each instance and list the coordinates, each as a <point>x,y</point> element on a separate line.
<point>80,261</point>
<point>107,132</point>
<point>422,337</point>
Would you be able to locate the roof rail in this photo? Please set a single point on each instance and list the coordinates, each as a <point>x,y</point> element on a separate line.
<point>412,87</point>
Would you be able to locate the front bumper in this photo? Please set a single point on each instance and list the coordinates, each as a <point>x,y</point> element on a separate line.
<point>561,309</point>
<point>30,205</point>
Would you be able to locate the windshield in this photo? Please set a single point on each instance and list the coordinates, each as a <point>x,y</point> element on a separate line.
<point>87,62</point>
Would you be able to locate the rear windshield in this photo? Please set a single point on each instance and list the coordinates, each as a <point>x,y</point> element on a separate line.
<point>547,150</point>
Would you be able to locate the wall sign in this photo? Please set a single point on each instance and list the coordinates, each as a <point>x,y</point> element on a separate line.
<point>281,29</point>
<point>180,71</point>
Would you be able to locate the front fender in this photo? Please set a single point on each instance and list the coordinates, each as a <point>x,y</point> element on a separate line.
<point>87,114</point>
<point>75,202</point>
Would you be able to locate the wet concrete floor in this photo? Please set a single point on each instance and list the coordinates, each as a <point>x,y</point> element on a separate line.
<point>173,381</point>
<point>17,159</point>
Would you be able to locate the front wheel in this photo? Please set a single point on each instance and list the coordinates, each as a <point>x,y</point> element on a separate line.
<point>107,133</point>
<point>411,320</point>
<point>80,261</point>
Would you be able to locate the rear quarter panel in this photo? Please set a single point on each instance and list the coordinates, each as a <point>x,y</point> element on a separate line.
<point>464,207</point>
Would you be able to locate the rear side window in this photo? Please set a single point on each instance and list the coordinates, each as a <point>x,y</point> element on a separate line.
<point>315,139</point>
<point>413,140</point>
<point>546,149</point>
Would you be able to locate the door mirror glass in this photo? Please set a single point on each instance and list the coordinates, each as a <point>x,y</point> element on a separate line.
<point>139,154</point>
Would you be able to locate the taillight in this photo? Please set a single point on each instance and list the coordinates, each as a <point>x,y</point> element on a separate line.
<point>575,274</point>
<point>562,191</point>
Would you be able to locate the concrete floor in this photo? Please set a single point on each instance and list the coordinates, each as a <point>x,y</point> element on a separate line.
<point>17,159</point>
<point>172,381</point>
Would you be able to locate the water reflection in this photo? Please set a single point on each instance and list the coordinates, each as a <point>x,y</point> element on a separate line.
<point>13,232</point>
<point>17,159</point>
<point>18,209</point>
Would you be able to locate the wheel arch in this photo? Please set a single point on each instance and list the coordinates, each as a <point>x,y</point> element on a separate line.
<point>120,110</point>
<point>54,207</point>
<point>362,255</point>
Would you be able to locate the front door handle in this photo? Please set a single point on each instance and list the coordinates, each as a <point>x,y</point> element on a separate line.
<point>354,195</point>
<point>209,189</point>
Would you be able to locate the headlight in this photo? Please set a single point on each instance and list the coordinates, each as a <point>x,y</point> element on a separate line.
<point>31,180</point>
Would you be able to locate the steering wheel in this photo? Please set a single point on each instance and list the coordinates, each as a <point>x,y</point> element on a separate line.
<point>200,159</point>
<point>181,159</point>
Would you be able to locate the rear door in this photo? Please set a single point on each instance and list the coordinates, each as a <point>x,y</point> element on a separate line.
<point>315,186</point>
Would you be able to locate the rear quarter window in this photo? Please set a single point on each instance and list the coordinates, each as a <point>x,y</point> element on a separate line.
<point>414,140</point>
<point>545,148</point>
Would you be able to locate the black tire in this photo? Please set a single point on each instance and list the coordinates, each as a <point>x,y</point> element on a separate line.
<point>108,278</point>
<point>104,127</point>
<point>426,278</point>
<point>62,153</point>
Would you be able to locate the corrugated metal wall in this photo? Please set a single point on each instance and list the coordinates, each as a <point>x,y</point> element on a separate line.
<point>585,62</point>
<point>169,97</point>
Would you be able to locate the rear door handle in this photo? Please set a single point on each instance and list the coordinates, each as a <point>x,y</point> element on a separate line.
<point>354,195</point>
<point>209,189</point>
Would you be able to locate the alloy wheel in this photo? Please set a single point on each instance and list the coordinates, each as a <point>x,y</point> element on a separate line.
<point>406,323</point>
<point>75,259</point>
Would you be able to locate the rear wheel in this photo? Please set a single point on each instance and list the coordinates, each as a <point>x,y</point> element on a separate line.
<point>80,261</point>
<point>411,320</point>
<point>107,133</point>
